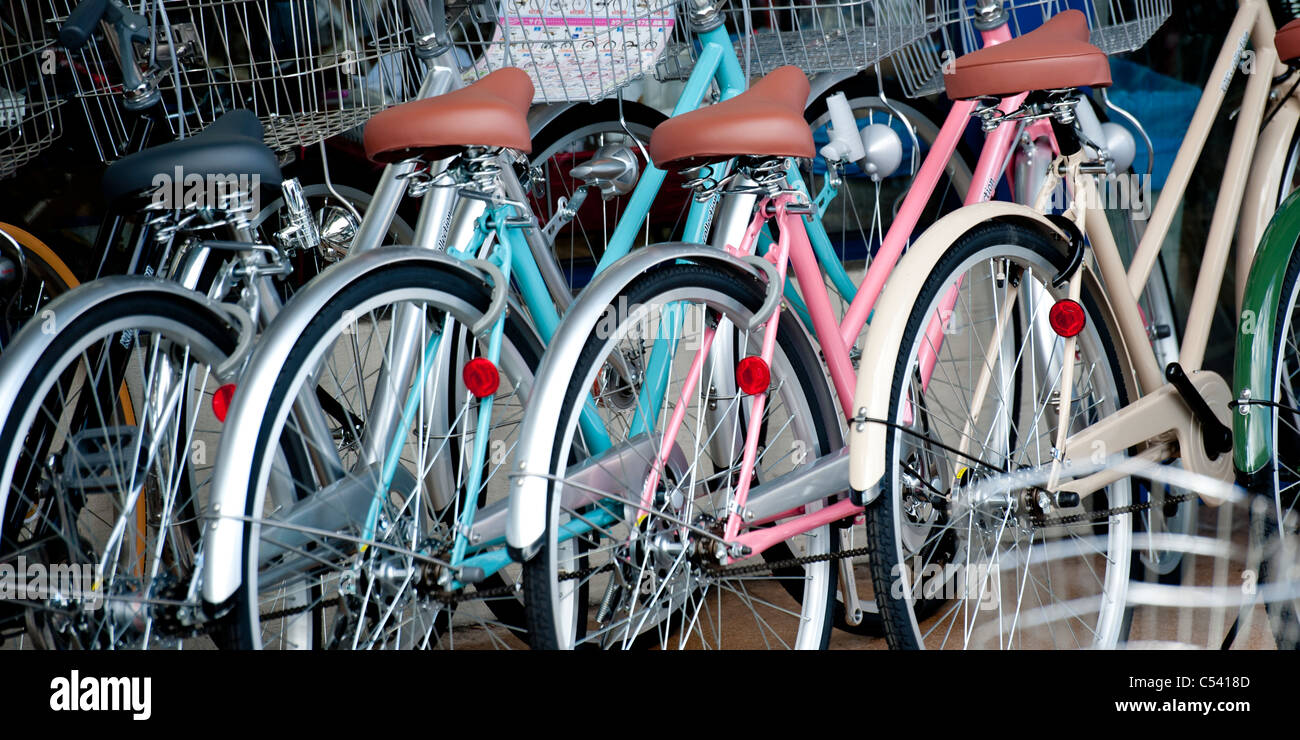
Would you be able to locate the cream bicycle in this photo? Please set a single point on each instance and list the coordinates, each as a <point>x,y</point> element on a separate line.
<point>1008,511</point>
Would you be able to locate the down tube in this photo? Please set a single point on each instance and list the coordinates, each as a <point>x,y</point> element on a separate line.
<point>540,306</point>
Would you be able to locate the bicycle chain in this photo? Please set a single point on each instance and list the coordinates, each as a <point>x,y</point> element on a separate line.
<point>450,599</point>
<point>1108,513</point>
<point>743,570</point>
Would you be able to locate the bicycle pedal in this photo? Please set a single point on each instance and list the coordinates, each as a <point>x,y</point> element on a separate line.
<point>100,460</point>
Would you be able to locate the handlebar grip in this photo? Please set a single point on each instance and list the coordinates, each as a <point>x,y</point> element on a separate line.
<point>81,22</point>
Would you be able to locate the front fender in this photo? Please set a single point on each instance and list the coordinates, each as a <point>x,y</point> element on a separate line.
<point>535,463</point>
<point>880,353</point>
<point>1253,369</point>
<point>233,471</point>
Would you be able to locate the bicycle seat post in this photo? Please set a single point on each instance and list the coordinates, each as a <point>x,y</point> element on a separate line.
<point>989,14</point>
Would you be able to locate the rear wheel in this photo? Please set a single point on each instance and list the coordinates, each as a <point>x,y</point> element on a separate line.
<point>373,573</point>
<point>104,466</point>
<point>961,555</point>
<point>653,578</point>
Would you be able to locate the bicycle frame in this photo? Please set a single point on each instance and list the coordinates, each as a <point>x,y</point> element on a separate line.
<point>527,521</point>
<point>1159,415</point>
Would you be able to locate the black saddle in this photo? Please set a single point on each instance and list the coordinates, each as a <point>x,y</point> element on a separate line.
<point>231,146</point>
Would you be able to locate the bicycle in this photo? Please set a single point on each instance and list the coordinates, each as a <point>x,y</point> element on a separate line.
<point>84,391</point>
<point>678,524</point>
<point>1012,468</point>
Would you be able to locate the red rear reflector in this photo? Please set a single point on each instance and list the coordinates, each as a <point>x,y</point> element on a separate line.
<point>753,375</point>
<point>1067,317</point>
<point>221,401</point>
<point>481,377</point>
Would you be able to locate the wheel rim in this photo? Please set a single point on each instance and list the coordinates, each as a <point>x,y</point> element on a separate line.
<point>971,567</point>
<point>651,589</point>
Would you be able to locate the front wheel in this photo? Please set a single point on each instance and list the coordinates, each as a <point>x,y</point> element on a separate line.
<point>959,560</point>
<point>647,552</point>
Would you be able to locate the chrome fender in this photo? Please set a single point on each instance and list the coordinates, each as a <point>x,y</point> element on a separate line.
<point>224,536</point>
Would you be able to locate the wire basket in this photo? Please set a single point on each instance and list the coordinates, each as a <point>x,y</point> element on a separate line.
<point>831,40</point>
<point>827,35</point>
<point>574,50</point>
<point>1118,26</point>
<point>309,69</point>
<point>29,107</point>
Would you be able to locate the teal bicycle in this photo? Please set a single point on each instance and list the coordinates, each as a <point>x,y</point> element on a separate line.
<point>360,493</point>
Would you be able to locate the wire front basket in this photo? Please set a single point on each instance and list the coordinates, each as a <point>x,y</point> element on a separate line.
<point>821,36</point>
<point>827,35</point>
<point>574,50</point>
<point>308,68</point>
<point>29,107</point>
<point>1117,26</point>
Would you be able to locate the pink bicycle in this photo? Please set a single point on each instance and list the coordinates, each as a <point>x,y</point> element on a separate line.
<point>706,520</point>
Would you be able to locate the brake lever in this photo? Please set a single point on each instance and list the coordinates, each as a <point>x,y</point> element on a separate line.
<point>140,93</point>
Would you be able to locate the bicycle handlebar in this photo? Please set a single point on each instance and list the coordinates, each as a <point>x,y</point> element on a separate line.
<point>130,27</point>
<point>81,22</point>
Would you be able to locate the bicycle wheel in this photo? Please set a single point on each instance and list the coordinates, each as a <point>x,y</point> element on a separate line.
<point>1281,526</point>
<point>957,559</point>
<point>657,574</point>
<point>46,277</point>
<point>365,577</point>
<point>102,461</point>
